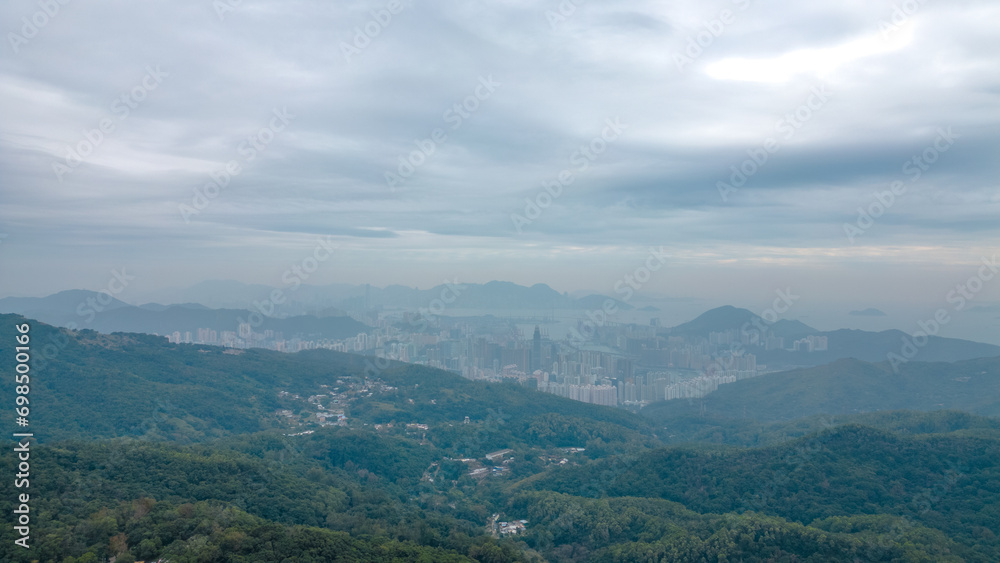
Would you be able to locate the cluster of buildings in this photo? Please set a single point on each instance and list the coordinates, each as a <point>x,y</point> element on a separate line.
<point>606,395</point>
<point>619,365</point>
<point>704,384</point>
<point>327,408</point>
<point>810,344</point>
<point>242,338</point>
<point>499,528</point>
<point>245,337</point>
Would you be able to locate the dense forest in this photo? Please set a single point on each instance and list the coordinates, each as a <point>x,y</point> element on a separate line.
<point>153,451</point>
<point>847,387</point>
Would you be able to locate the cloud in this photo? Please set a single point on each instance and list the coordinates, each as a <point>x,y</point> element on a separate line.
<point>890,89</point>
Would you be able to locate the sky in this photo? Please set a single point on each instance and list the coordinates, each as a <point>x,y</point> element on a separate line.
<point>846,150</point>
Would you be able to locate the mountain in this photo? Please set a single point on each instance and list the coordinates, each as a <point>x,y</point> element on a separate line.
<point>751,433</point>
<point>876,346</point>
<point>149,450</point>
<point>848,386</point>
<point>218,294</point>
<point>228,294</point>
<point>719,319</point>
<point>131,499</point>
<point>301,301</point>
<point>86,309</point>
<point>159,307</point>
<point>844,343</point>
<point>722,319</point>
<point>273,499</point>
<point>183,318</point>
<point>307,298</point>
<point>69,305</point>
<point>792,329</point>
<point>939,481</point>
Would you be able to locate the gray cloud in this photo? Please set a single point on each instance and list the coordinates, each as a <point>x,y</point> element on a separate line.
<point>890,90</point>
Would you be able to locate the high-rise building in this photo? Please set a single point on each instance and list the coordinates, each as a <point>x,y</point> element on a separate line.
<point>536,350</point>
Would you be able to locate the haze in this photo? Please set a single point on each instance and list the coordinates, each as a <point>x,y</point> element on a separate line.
<point>740,137</point>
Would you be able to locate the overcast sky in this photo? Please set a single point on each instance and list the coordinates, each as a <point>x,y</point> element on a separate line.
<point>838,96</point>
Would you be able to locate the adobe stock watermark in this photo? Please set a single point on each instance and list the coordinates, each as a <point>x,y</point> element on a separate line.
<point>121,108</point>
<point>563,12</point>
<point>901,13</point>
<point>626,286</point>
<point>293,277</point>
<point>787,127</point>
<point>581,160</point>
<point>914,168</point>
<point>32,25</point>
<point>449,294</point>
<point>248,150</point>
<point>225,7</point>
<point>364,35</point>
<point>958,298</point>
<point>712,30</point>
<point>455,117</point>
<point>93,305</point>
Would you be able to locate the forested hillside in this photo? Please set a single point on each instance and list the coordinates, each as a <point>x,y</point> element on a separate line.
<point>92,385</point>
<point>148,450</point>
<point>943,480</point>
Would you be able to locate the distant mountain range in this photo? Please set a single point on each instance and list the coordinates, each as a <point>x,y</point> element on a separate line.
<point>82,309</point>
<point>308,310</point>
<point>309,298</point>
<point>99,311</point>
<point>843,343</point>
